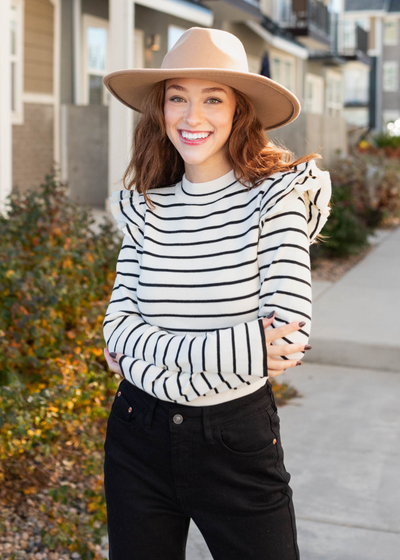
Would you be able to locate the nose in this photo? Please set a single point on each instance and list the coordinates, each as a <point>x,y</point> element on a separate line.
<point>194,114</point>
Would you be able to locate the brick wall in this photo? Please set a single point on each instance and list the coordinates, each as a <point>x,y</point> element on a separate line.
<point>33,146</point>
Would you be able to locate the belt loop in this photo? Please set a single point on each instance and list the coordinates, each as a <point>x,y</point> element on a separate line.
<point>150,412</point>
<point>207,424</point>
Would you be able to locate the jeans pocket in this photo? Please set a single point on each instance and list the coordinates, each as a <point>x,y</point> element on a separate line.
<point>124,410</point>
<point>249,436</point>
<point>279,464</point>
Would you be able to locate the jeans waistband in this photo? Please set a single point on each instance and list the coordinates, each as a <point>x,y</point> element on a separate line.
<point>210,415</point>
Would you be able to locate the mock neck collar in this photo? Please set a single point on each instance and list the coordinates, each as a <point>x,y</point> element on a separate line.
<point>206,188</point>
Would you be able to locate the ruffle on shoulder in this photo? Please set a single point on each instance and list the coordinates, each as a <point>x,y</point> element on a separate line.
<point>305,179</point>
<point>127,212</point>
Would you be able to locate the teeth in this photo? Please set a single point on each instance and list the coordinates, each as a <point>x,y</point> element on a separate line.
<point>191,136</point>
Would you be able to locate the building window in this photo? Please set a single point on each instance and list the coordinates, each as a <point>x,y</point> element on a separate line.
<point>283,72</point>
<point>390,76</point>
<point>174,33</point>
<point>314,95</point>
<point>254,63</point>
<point>287,78</point>
<point>390,32</point>
<point>334,98</point>
<point>356,85</point>
<point>16,31</point>
<point>276,69</point>
<point>95,61</point>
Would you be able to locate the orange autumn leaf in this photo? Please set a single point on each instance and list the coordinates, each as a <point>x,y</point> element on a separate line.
<point>30,490</point>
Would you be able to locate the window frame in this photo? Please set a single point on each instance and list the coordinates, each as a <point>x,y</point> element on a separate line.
<point>311,80</point>
<point>284,62</point>
<point>178,28</point>
<point>333,106</point>
<point>17,60</point>
<point>93,21</point>
<point>387,40</point>
<point>395,65</point>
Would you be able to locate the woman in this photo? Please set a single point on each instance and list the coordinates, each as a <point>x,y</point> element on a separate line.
<point>212,297</point>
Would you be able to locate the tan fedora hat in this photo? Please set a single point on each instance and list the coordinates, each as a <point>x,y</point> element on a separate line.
<point>210,54</point>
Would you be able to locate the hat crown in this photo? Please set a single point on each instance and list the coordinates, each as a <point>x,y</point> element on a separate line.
<point>202,47</point>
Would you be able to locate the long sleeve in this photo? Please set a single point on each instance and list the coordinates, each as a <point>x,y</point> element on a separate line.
<point>290,219</point>
<point>271,228</point>
<point>239,349</point>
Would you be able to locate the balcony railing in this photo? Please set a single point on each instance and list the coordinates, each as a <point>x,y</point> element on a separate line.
<point>305,15</point>
<point>355,42</point>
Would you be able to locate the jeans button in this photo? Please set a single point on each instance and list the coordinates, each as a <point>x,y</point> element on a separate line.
<point>178,419</point>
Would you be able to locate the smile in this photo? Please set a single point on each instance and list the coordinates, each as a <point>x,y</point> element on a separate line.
<point>194,137</point>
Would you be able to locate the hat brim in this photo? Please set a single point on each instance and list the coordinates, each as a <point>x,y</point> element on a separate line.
<point>275,105</point>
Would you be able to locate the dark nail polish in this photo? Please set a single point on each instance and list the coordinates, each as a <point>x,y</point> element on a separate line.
<point>271,315</point>
<point>307,347</point>
<point>302,324</point>
<point>113,355</point>
<point>299,363</point>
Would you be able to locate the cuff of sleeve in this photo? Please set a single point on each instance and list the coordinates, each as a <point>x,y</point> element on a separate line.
<point>264,347</point>
<point>120,365</point>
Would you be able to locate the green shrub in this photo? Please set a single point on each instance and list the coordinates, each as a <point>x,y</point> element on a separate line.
<point>56,277</point>
<point>387,141</point>
<point>345,231</point>
<point>365,195</point>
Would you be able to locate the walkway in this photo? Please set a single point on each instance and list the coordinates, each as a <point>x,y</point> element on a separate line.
<point>342,437</point>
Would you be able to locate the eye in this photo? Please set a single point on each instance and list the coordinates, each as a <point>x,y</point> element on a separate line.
<point>214,99</point>
<point>175,98</point>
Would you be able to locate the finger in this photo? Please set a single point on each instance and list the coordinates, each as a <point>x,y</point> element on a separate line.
<point>280,332</point>
<point>115,356</point>
<point>268,320</point>
<point>275,373</point>
<point>112,364</point>
<point>278,364</point>
<point>285,349</point>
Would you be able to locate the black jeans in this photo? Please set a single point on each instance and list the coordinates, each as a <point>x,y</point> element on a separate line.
<point>220,465</point>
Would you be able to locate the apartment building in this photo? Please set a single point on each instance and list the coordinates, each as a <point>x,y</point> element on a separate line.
<point>61,49</point>
<point>381,19</point>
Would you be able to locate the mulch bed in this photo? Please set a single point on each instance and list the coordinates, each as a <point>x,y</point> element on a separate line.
<point>330,270</point>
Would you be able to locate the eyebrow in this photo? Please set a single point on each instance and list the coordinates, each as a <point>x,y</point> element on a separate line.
<point>205,90</point>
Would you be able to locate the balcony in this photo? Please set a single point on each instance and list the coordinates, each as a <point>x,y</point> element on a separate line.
<point>351,42</point>
<point>309,21</point>
<point>234,10</point>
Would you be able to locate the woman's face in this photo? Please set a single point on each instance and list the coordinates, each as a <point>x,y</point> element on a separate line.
<point>194,107</point>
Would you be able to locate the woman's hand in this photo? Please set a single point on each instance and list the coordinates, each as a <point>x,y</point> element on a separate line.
<point>275,366</point>
<point>112,361</point>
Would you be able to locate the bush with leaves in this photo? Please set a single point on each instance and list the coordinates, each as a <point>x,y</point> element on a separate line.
<point>56,278</point>
<point>387,141</point>
<point>346,233</point>
<point>365,195</point>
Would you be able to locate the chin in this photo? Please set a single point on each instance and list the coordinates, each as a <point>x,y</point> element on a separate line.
<point>192,159</point>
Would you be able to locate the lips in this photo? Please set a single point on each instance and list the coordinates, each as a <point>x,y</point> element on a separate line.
<point>197,141</point>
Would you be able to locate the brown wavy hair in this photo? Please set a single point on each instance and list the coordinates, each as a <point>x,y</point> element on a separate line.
<point>156,163</point>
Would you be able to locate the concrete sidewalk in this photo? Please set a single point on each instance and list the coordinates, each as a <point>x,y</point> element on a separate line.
<point>356,320</point>
<point>342,448</point>
<point>342,437</point>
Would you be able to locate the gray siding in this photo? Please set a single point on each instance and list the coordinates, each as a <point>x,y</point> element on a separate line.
<point>66,73</point>
<point>97,8</point>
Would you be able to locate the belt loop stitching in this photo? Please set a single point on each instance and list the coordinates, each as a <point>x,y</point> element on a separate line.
<point>150,413</point>
<point>207,424</point>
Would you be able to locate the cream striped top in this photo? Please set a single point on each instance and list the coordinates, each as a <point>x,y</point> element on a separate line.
<point>196,275</point>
